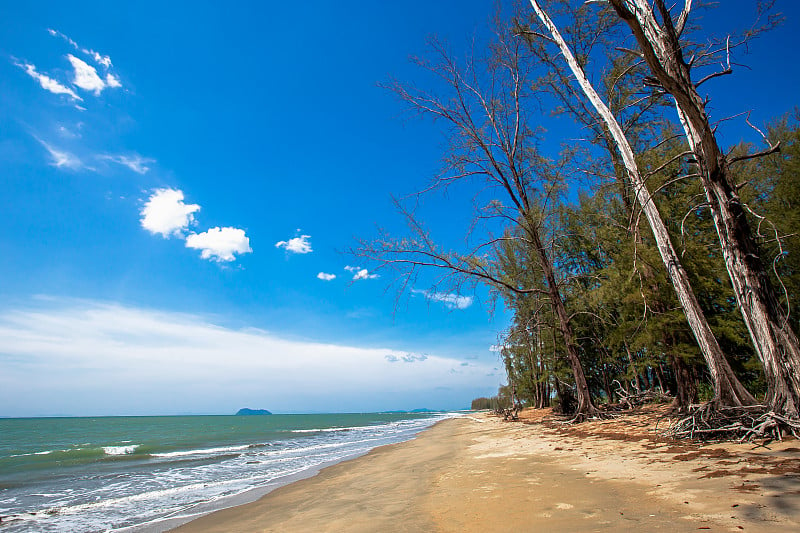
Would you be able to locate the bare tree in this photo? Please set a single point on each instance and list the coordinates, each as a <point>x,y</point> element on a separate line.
<point>658,35</point>
<point>494,143</point>
<point>639,119</point>
<point>727,388</point>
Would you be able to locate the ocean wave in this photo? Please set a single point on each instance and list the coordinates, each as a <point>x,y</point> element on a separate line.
<point>89,453</point>
<point>375,427</point>
<point>32,454</point>
<point>321,430</point>
<point>126,483</point>
<point>120,450</point>
<point>294,450</point>
<point>204,451</point>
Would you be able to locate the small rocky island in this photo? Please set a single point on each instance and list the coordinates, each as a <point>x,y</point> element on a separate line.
<point>247,412</point>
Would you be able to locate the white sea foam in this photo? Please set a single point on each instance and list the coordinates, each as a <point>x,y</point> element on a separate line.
<point>332,430</point>
<point>203,451</point>
<point>46,452</point>
<point>120,450</point>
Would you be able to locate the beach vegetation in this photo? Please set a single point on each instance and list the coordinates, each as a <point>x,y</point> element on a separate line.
<point>645,260</point>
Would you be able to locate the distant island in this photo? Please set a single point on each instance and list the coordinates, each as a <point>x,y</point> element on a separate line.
<point>248,412</point>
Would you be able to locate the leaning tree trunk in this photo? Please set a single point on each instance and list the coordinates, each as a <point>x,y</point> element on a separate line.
<point>728,390</point>
<point>586,407</point>
<point>773,338</point>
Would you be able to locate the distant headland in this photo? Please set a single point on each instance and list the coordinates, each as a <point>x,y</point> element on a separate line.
<point>246,412</point>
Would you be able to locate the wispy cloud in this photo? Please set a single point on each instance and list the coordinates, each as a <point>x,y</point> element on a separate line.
<point>56,33</point>
<point>134,162</point>
<point>220,244</point>
<point>165,213</point>
<point>325,276</point>
<point>110,358</point>
<point>406,357</point>
<point>62,158</point>
<point>98,58</point>
<point>67,133</point>
<point>451,301</point>
<point>86,76</point>
<point>47,83</point>
<point>297,245</point>
<point>360,273</point>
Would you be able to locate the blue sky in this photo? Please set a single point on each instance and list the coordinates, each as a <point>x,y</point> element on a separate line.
<point>180,181</point>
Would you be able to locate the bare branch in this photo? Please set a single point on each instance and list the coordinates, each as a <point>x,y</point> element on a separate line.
<point>771,150</point>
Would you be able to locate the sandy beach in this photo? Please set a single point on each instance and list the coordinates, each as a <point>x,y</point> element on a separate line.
<point>480,473</point>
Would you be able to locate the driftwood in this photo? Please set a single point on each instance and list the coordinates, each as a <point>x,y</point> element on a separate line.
<point>708,422</point>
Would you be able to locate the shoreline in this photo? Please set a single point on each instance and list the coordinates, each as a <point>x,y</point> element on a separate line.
<point>483,474</point>
<point>251,495</point>
<point>170,523</point>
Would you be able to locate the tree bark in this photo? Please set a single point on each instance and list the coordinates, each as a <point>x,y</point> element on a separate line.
<point>607,385</point>
<point>545,376</point>
<point>638,384</point>
<point>585,405</point>
<point>773,338</point>
<point>727,388</point>
<point>685,385</point>
<point>660,377</point>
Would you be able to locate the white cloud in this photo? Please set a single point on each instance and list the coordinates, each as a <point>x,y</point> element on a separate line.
<point>86,76</point>
<point>134,162</point>
<point>451,301</point>
<point>166,214</point>
<point>406,358</point>
<point>360,273</point>
<point>62,158</point>
<point>326,277</point>
<point>112,81</point>
<point>220,244</point>
<point>48,83</point>
<point>99,358</point>
<point>56,33</point>
<point>100,59</point>
<point>364,274</point>
<point>297,245</point>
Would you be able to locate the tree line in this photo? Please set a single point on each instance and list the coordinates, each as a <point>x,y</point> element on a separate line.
<point>647,254</point>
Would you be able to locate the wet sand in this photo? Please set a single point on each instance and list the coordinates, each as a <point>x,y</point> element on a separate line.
<point>481,474</point>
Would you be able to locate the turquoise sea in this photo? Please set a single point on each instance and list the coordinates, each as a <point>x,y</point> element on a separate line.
<point>138,473</point>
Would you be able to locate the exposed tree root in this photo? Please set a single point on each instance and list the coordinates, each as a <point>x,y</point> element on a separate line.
<point>709,422</point>
<point>592,414</point>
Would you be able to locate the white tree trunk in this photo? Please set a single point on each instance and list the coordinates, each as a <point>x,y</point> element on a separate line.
<point>775,342</point>
<point>727,388</point>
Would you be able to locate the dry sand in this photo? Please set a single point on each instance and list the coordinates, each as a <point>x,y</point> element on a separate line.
<point>480,474</point>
